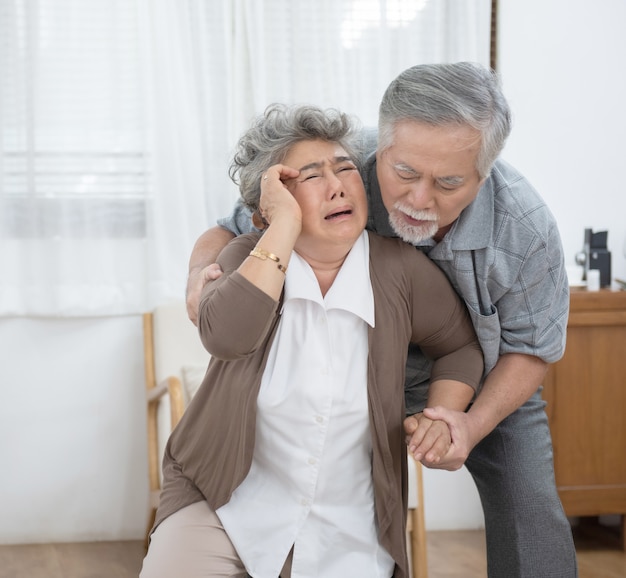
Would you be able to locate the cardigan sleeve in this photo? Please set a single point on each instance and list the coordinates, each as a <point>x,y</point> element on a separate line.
<point>235,316</point>
<point>440,323</point>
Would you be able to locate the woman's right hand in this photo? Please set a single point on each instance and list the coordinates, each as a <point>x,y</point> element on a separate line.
<point>276,200</point>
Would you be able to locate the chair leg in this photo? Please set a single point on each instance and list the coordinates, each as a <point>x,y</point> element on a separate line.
<point>151,518</point>
<point>418,535</point>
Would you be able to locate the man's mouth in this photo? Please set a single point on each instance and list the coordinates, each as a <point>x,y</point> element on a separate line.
<point>416,222</point>
<point>416,218</point>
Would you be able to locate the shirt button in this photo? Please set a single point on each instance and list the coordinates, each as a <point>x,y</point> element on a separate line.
<point>312,461</point>
<point>304,502</point>
<point>319,419</point>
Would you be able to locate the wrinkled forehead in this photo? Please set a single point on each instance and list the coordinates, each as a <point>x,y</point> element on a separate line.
<point>315,154</point>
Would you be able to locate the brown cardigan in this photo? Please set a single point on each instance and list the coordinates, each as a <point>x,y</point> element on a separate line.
<point>210,452</point>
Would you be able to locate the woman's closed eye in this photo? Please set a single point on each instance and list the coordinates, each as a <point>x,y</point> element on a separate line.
<point>317,174</point>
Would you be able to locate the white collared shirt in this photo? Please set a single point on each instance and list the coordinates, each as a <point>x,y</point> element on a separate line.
<point>310,483</point>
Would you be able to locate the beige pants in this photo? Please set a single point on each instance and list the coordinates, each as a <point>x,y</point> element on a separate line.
<point>192,543</point>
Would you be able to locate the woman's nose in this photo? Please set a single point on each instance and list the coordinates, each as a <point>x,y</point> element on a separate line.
<point>336,186</point>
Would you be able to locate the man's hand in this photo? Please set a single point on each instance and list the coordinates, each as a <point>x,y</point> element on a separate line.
<point>202,267</point>
<point>196,281</point>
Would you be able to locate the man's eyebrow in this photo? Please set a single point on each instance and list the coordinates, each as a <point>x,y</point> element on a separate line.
<point>404,167</point>
<point>319,164</point>
<point>452,180</point>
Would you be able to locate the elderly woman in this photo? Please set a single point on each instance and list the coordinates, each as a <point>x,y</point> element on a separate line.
<point>291,458</point>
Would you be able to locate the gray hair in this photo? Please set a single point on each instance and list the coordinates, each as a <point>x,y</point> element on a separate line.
<point>462,93</point>
<point>272,135</point>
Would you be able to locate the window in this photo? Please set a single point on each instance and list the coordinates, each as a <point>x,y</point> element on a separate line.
<point>118,118</point>
<point>71,128</point>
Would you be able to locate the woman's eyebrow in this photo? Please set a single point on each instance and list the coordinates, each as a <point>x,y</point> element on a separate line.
<point>318,164</point>
<point>315,165</point>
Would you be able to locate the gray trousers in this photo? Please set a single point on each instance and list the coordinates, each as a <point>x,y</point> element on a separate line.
<point>528,534</point>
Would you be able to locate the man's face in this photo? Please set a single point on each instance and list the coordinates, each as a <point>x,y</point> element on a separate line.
<point>427,177</point>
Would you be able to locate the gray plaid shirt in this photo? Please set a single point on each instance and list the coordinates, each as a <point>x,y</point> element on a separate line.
<point>504,257</point>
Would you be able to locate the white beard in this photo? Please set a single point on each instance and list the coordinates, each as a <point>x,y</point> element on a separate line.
<point>413,233</point>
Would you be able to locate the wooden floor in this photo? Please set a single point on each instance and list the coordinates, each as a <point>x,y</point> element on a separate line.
<point>459,554</point>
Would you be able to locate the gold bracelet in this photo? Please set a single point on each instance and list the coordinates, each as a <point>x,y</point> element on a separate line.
<point>264,255</point>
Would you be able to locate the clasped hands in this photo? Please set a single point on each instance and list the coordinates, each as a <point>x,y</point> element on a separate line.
<point>438,437</point>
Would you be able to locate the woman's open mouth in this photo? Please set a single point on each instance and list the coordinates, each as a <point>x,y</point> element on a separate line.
<point>337,214</point>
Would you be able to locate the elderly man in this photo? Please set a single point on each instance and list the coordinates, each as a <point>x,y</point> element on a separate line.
<point>436,182</point>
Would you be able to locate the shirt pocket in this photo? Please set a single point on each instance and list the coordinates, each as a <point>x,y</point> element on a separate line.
<point>488,330</point>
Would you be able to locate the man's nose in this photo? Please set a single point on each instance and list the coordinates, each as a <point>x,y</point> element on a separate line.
<point>421,195</point>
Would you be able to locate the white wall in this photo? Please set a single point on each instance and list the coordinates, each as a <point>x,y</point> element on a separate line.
<point>562,64</point>
<point>72,424</point>
<point>72,430</point>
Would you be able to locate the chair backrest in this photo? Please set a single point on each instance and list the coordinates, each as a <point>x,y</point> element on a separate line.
<point>173,356</point>
<point>175,362</point>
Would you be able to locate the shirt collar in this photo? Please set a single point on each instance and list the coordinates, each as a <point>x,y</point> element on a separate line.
<point>474,226</point>
<point>351,290</point>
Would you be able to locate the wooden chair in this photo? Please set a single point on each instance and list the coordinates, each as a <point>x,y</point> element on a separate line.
<point>172,350</point>
<point>415,524</point>
<point>175,361</point>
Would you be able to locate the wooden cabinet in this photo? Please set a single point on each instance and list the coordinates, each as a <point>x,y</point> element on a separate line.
<point>586,406</point>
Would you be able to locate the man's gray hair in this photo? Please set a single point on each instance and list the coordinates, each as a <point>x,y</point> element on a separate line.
<point>463,93</point>
<point>272,135</point>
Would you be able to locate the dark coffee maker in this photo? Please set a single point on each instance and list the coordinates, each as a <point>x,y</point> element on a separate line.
<point>595,255</point>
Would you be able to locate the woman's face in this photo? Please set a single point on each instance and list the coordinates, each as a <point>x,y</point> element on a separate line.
<point>330,192</point>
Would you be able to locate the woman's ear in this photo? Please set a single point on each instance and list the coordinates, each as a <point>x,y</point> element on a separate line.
<point>258,221</point>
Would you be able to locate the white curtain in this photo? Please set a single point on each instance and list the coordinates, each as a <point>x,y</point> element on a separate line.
<point>118,117</point>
